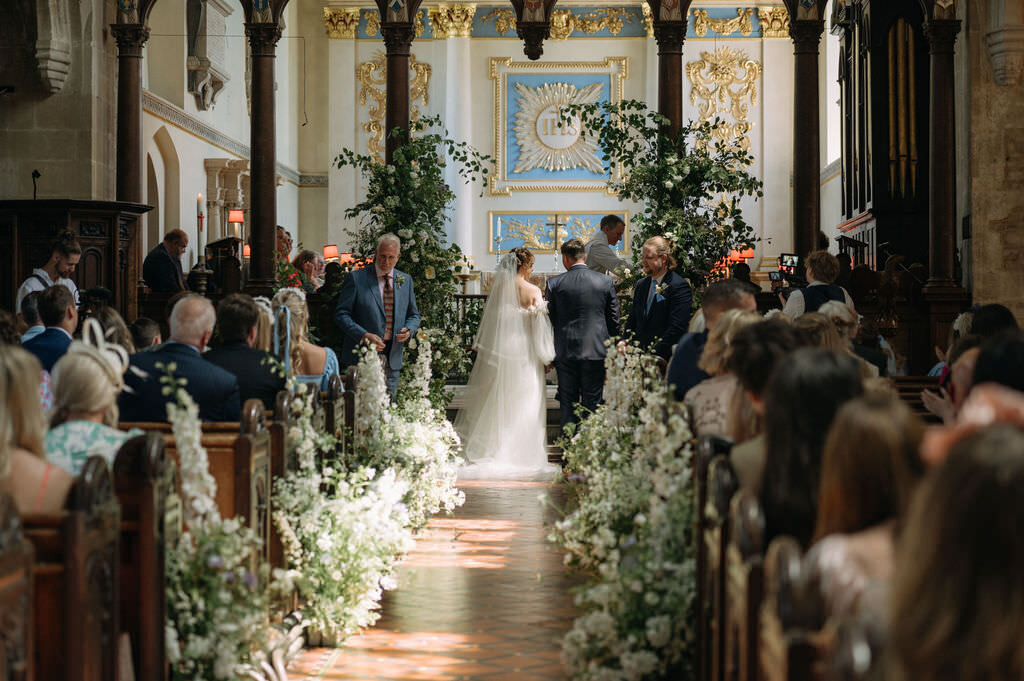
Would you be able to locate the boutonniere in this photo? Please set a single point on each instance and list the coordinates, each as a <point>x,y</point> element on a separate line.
<point>399,280</point>
<point>660,288</point>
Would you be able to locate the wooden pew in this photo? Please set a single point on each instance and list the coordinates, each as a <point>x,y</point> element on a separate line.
<point>909,389</point>
<point>333,402</point>
<point>722,484</point>
<point>707,448</point>
<point>76,582</point>
<point>791,617</point>
<point>745,584</point>
<point>240,462</point>
<point>16,597</point>
<point>146,487</point>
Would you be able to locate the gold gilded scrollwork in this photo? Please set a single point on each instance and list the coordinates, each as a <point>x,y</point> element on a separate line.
<point>372,77</point>
<point>742,22</point>
<point>372,22</point>
<point>774,22</point>
<point>452,21</point>
<point>341,23</point>
<point>725,82</point>
<point>504,20</point>
<point>564,22</point>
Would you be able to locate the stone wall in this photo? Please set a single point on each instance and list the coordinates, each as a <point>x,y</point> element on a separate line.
<point>60,119</point>
<point>996,168</point>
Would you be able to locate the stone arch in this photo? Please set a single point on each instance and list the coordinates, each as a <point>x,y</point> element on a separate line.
<point>172,179</point>
<point>153,233</point>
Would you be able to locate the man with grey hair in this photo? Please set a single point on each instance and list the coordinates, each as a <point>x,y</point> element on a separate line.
<point>214,389</point>
<point>600,256</point>
<point>377,307</point>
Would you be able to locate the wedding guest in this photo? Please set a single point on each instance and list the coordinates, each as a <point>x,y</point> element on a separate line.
<point>847,323</point>
<point>1001,361</point>
<point>962,359</point>
<point>377,305</point>
<point>818,331</point>
<point>264,325</point>
<point>8,329</point>
<point>86,384</point>
<point>162,270</point>
<point>869,470</point>
<point>992,320</point>
<point>114,328</point>
<point>305,264</point>
<point>145,333</point>
<point>30,315</point>
<point>309,363</point>
<point>9,337</point>
<point>960,328</point>
<point>711,399</point>
<point>719,297</point>
<point>214,389</point>
<point>59,313</point>
<point>822,269</point>
<point>600,256</point>
<point>35,485</point>
<point>740,271</point>
<point>803,395</point>
<point>755,351</point>
<point>65,252</point>
<point>661,302</point>
<point>237,326</point>
<point>957,606</point>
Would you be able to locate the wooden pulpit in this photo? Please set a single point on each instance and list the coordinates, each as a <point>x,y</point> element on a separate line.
<point>108,232</point>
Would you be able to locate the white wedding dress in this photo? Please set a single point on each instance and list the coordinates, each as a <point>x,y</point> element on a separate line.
<point>503,425</point>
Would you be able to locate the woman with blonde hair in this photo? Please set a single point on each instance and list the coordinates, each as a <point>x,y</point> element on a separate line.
<point>87,381</point>
<point>712,398</point>
<point>35,485</point>
<point>264,324</point>
<point>309,363</point>
<point>957,605</point>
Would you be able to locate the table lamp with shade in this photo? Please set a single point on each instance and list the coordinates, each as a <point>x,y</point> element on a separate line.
<point>331,253</point>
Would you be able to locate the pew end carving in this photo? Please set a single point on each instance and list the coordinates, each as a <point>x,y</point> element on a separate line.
<point>16,596</point>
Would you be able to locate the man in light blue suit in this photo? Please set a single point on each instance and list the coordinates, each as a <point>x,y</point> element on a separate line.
<point>377,305</point>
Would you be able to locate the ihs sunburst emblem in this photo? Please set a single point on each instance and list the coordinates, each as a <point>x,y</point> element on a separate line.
<point>547,142</point>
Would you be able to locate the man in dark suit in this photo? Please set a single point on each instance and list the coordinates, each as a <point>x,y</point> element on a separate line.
<point>719,298</point>
<point>214,389</point>
<point>584,312</point>
<point>59,314</point>
<point>237,315</point>
<point>377,304</point>
<point>161,270</point>
<point>661,301</point>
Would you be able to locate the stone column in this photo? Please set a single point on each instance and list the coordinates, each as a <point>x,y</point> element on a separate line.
<point>806,35</point>
<point>941,34</point>
<point>130,39</point>
<point>214,204</point>
<point>670,36</point>
<point>263,39</point>
<point>398,38</point>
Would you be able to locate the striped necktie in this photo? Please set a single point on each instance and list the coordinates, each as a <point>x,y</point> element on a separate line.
<point>389,308</point>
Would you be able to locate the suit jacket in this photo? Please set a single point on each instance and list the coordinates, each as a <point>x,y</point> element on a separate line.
<point>683,372</point>
<point>253,370</point>
<point>669,315</point>
<point>584,312</point>
<point>162,271</point>
<point>214,389</point>
<point>49,346</point>
<point>600,256</point>
<point>361,310</point>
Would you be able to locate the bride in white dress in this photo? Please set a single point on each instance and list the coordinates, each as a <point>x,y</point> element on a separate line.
<point>503,424</point>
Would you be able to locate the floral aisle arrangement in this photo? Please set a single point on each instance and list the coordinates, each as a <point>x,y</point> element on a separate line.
<point>688,184</point>
<point>342,530</point>
<point>409,198</point>
<point>216,587</point>
<point>415,438</point>
<point>632,532</point>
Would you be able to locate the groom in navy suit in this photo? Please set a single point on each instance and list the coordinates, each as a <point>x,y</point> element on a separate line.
<point>377,305</point>
<point>584,312</point>
<point>660,313</point>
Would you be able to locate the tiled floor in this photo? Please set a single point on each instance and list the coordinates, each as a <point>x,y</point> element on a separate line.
<point>483,596</point>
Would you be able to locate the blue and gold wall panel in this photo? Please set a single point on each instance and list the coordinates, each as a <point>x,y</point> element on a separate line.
<point>544,232</point>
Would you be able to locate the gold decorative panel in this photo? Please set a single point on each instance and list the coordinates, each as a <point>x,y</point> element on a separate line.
<point>564,22</point>
<point>372,76</point>
<point>341,23</point>
<point>504,20</point>
<point>452,21</point>
<point>742,23</point>
<point>725,82</point>
<point>774,22</point>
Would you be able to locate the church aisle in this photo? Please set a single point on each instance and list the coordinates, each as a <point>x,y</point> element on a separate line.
<point>483,596</point>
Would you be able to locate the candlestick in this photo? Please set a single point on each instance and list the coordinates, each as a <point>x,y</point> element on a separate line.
<point>199,205</point>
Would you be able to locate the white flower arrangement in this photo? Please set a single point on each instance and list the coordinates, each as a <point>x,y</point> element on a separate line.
<point>216,585</point>
<point>632,530</point>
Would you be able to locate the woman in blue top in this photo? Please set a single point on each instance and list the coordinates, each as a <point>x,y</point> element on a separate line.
<point>86,383</point>
<point>308,363</point>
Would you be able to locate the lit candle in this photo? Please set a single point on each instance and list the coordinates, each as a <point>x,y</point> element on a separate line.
<point>199,205</point>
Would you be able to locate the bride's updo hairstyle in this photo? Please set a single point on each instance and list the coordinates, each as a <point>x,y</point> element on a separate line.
<point>523,256</point>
